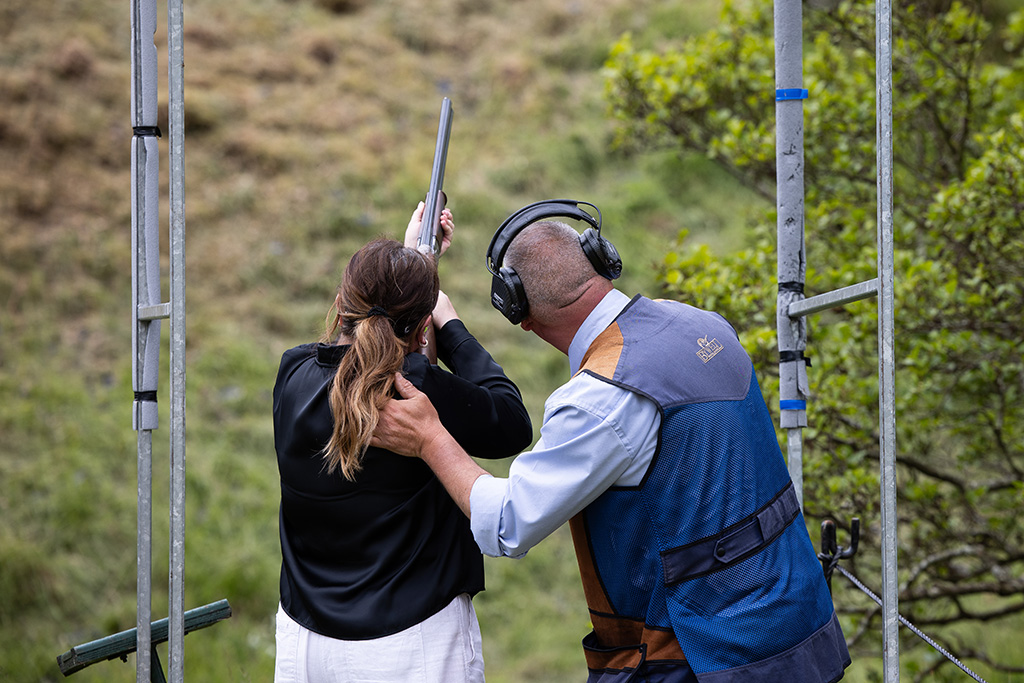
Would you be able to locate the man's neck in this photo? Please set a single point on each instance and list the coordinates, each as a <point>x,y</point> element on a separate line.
<point>602,314</point>
<point>569,318</point>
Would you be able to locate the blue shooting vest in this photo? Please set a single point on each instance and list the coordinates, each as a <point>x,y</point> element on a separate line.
<point>705,569</point>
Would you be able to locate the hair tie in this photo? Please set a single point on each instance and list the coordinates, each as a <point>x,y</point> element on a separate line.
<point>377,310</point>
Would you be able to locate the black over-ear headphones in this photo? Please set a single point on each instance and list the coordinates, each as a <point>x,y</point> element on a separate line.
<point>507,293</point>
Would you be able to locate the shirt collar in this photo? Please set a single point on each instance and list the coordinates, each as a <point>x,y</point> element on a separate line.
<point>600,318</point>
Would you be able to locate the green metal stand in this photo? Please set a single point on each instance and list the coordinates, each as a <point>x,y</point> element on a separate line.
<point>120,645</point>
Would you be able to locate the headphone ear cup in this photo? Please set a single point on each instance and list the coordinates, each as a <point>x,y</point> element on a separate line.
<point>508,295</point>
<point>601,253</point>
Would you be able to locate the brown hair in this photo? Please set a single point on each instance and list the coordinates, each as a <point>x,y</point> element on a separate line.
<point>385,293</point>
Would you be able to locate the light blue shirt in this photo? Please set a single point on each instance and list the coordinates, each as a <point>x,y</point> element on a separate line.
<point>595,435</point>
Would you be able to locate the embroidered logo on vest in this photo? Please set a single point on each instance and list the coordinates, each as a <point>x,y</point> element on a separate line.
<point>708,349</point>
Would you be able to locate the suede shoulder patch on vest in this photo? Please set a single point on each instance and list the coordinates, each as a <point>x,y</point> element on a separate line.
<point>604,353</point>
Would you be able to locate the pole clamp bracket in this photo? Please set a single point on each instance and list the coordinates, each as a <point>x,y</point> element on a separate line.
<point>792,286</point>
<point>790,356</point>
<point>146,131</point>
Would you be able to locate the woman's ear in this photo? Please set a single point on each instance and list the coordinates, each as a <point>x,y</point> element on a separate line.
<point>421,338</point>
<point>424,338</point>
<point>423,341</point>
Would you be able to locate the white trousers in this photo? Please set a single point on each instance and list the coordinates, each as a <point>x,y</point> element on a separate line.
<point>445,648</point>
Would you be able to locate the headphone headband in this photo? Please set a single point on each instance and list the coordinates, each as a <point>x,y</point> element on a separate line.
<point>530,214</point>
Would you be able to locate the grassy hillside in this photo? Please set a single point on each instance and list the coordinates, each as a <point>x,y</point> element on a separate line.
<point>310,128</point>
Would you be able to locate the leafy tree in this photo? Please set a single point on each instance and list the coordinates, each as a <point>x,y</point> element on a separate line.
<point>958,207</point>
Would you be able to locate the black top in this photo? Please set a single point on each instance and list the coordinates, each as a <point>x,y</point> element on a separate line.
<point>372,557</point>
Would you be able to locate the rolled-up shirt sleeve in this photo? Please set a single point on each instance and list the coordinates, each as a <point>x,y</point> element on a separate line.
<point>595,435</point>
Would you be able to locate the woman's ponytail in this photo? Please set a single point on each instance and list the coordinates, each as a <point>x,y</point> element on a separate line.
<point>387,290</point>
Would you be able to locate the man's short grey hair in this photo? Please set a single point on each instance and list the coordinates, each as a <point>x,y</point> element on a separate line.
<point>549,260</point>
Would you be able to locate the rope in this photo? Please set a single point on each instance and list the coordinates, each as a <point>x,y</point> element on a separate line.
<point>920,634</point>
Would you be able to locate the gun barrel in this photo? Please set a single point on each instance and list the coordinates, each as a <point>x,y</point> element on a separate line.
<point>428,241</point>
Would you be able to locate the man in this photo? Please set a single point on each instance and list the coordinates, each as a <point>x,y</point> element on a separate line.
<point>661,453</point>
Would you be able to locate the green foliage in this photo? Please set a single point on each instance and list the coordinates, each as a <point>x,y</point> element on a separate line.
<point>959,193</point>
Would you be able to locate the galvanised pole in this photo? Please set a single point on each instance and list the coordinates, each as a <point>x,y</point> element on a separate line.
<point>886,342</point>
<point>145,162</point>
<point>176,124</point>
<point>789,160</point>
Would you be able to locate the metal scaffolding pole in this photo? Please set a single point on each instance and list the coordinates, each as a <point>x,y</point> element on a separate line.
<point>791,256</point>
<point>886,342</point>
<point>176,124</point>
<point>145,307</point>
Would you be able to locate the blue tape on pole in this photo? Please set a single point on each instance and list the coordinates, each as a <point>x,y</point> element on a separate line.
<point>790,94</point>
<point>793,405</point>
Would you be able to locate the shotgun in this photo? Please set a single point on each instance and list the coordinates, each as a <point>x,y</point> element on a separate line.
<point>428,241</point>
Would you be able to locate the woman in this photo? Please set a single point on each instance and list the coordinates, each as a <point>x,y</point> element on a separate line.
<point>379,565</point>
